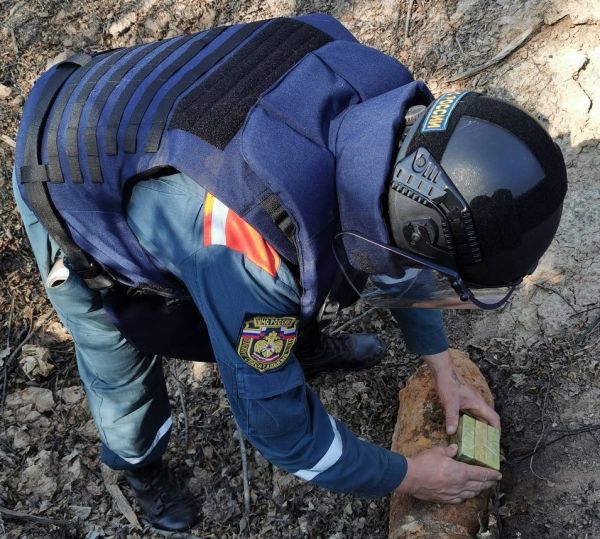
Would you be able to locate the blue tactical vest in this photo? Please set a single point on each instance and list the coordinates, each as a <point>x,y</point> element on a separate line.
<point>290,122</point>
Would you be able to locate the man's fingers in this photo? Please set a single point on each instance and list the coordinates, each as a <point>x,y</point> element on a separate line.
<point>451,450</point>
<point>461,496</point>
<point>479,485</point>
<point>444,480</point>
<point>481,474</point>
<point>490,416</point>
<point>487,413</point>
<point>452,413</point>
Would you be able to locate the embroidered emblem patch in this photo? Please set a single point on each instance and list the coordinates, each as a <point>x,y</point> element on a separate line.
<point>266,342</point>
<point>439,115</point>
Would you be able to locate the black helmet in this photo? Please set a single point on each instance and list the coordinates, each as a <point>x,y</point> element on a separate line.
<point>478,187</point>
<point>475,196</point>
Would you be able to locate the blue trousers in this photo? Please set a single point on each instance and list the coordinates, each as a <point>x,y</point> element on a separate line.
<point>126,390</point>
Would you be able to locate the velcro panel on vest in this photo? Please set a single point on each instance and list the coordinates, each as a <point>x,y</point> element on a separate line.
<point>77,124</point>
<point>161,114</point>
<point>169,69</point>
<point>141,105</point>
<point>64,124</point>
<point>216,110</point>
<point>328,24</point>
<point>80,99</point>
<point>33,174</point>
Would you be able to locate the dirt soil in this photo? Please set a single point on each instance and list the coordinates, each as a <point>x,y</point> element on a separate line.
<point>540,353</point>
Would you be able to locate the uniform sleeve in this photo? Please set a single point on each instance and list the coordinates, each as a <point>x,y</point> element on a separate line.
<point>279,414</point>
<point>423,330</point>
<point>233,275</point>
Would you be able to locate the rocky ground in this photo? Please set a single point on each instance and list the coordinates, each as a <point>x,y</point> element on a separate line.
<point>540,354</point>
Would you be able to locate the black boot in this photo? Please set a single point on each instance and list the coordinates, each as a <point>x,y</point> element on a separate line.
<point>164,503</point>
<point>318,352</point>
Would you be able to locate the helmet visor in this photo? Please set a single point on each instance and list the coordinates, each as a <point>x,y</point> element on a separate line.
<point>412,281</point>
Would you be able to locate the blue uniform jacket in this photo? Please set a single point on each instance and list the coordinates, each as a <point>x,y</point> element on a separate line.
<point>277,411</point>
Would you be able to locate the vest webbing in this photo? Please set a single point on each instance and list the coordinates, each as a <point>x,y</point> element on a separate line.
<point>218,106</point>
<point>265,116</point>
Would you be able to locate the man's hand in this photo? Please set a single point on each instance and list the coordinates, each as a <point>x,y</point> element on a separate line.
<point>456,395</point>
<point>434,476</point>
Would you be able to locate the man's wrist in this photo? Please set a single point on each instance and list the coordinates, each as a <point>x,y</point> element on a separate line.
<point>439,363</point>
<point>406,486</point>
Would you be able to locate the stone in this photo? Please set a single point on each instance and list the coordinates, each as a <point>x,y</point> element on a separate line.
<point>585,11</point>
<point>157,25</point>
<point>80,512</point>
<point>21,440</point>
<point>90,431</point>
<point>420,425</point>
<point>35,478</point>
<point>41,399</point>
<point>567,63</point>
<point>35,363</point>
<point>72,395</point>
<point>17,101</point>
<point>200,370</point>
<point>122,25</point>
<point>32,416</point>
<point>5,91</point>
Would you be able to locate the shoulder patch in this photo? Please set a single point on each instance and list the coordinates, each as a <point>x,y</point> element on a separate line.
<point>439,115</point>
<point>267,341</point>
